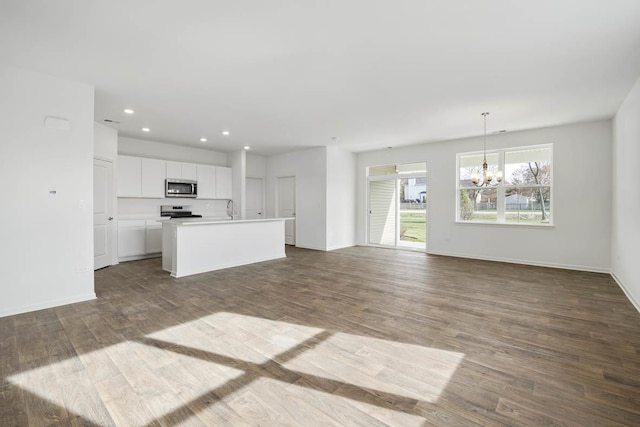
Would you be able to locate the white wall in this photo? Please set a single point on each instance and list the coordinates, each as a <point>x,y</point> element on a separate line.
<point>105,142</point>
<point>309,169</point>
<point>341,198</point>
<point>176,153</point>
<point>46,256</point>
<point>580,238</point>
<point>625,238</point>
<point>237,161</point>
<point>256,166</point>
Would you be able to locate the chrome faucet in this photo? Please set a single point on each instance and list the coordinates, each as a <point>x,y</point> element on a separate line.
<point>230,209</point>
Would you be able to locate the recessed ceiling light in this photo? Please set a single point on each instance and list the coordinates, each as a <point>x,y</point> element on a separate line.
<point>225,132</point>
<point>203,139</point>
<point>128,111</point>
<point>246,147</point>
<point>146,130</point>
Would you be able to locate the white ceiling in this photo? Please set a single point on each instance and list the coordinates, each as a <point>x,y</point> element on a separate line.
<point>286,74</point>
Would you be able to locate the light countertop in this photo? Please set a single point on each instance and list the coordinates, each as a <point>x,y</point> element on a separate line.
<point>214,220</point>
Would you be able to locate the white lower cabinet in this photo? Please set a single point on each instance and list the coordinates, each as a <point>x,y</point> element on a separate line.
<point>131,237</point>
<point>139,238</point>
<point>153,236</point>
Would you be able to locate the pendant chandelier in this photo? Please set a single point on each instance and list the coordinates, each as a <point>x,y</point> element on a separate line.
<point>487,178</point>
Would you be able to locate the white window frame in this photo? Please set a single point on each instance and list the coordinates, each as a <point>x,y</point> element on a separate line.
<point>501,188</point>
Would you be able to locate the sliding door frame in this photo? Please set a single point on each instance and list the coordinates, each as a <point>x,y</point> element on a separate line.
<point>397,177</point>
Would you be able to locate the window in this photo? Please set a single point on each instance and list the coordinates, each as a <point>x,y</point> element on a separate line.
<point>523,196</point>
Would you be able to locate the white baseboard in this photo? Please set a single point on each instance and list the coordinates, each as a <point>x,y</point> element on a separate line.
<point>313,248</point>
<point>524,262</point>
<point>327,248</point>
<point>336,247</point>
<point>138,257</point>
<point>626,292</point>
<point>46,304</point>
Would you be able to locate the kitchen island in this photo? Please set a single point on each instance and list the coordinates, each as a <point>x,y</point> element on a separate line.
<point>197,245</point>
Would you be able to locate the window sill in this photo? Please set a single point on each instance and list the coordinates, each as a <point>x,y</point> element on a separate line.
<point>508,224</point>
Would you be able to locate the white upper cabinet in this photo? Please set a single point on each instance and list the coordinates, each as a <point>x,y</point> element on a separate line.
<point>153,175</point>
<point>206,182</point>
<point>189,171</point>
<point>223,183</point>
<point>129,175</point>
<point>179,170</point>
<point>145,178</point>
<point>138,177</point>
<point>174,170</point>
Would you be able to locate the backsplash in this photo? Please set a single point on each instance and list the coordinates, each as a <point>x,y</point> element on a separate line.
<point>151,207</point>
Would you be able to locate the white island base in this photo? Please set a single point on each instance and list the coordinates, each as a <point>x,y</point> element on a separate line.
<point>192,246</point>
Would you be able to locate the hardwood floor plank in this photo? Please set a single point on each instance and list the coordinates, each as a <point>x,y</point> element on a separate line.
<point>14,411</point>
<point>357,336</point>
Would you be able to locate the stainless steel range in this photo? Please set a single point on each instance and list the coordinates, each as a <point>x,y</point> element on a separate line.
<point>173,211</point>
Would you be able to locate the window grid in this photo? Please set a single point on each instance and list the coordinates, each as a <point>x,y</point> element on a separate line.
<point>502,189</point>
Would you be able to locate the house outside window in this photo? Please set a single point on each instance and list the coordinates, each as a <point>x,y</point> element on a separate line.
<point>524,195</point>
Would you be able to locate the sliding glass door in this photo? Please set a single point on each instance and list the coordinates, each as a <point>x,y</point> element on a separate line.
<point>397,206</point>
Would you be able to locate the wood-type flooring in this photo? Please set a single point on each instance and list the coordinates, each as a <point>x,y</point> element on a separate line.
<point>359,336</point>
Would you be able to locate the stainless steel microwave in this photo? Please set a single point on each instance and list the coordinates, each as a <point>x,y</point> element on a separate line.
<point>180,188</point>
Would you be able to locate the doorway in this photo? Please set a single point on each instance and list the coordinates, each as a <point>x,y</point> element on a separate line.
<point>103,212</point>
<point>397,196</point>
<point>254,198</point>
<point>286,206</point>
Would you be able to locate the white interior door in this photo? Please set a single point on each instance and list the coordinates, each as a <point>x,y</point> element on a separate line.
<point>254,198</point>
<point>102,213</point>
<point>383,208</point>
<point>287,207</point>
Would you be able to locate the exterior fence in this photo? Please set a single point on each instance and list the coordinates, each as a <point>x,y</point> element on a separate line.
<point>413,205</point>
<point>531,206</point>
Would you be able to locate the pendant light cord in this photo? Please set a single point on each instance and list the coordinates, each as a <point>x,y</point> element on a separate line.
<point>485,136</point>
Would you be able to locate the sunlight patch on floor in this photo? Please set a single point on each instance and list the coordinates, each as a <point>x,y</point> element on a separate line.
<point>270,402</point>
<point>132,382</point>
<point>407,370</point>
<point>236,336</point>
<point>247,362</point>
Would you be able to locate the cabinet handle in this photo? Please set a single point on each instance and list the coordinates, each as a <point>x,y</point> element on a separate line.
<point>110,218</point>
